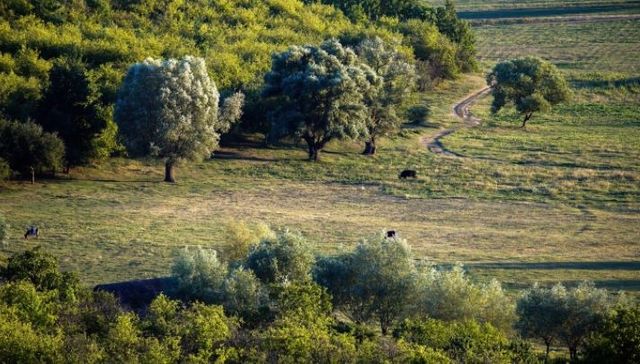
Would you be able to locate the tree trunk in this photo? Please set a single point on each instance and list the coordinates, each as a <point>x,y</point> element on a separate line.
<point>33,175</point>
<point>370,147</point>
<point>526,118</point>
<point>313,148</point>
<point>546,355</point>
<point>168,171</point>
<point>314,153</point>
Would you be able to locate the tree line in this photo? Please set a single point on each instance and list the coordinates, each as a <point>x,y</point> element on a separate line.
<point>62,65</point>
<point>267,298</point>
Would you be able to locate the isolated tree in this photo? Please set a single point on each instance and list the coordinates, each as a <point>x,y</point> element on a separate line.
<point>530,84</point>
<point>29,150</point>
<point>169,109</point>
<point>319,94</point>
<point>397,77</point>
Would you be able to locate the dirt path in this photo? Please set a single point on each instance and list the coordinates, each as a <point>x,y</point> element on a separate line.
<point>461,110</point>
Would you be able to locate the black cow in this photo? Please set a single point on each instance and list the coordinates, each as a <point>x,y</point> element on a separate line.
<point>32,231</point>
<point>408,173</point>
<point>391,234</point>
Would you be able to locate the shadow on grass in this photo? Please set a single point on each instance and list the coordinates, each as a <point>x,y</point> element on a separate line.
<point>225,155</point>
<point>630,265</point>
<point>623,82</point>
<point>631,285</point>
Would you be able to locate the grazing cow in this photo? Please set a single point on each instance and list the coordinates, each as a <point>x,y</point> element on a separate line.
<point>32,231</point>
<point>408,173</point>
<point>391,234</point>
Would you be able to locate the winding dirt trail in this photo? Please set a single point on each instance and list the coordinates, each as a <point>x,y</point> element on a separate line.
<point>461,110</point>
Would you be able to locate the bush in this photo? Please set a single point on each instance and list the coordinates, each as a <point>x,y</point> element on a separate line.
<point>451,295</point>
<point>285,258</point>
<point>617,340</point>
<point>41,269</point>
<point>200,274</point>
<point>464,342</point>
<point>27,148</point>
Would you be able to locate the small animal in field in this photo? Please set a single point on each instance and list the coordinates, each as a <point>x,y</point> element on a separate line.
<point>391,234</point>
<point>31,231</point>
<point>408,173</point>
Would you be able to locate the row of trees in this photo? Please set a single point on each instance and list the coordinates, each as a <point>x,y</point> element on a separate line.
<point>279,303</point>
<point>62,63</point>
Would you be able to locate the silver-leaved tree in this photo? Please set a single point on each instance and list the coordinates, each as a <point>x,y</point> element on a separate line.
<point>169,109</point>
<point>319,94</point>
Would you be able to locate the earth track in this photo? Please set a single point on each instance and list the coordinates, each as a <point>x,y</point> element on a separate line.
<point>461,110</point>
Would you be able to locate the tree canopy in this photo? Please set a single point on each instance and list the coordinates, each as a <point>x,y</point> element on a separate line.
<point>320,94</point>
<point>530,84</point>
<point>169,109</point>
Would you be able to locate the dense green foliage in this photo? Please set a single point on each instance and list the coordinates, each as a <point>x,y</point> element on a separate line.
<point>62,62</point>
<point>319,93</point>
<point>169,109</point>
<point>530,84</point>
<point>48,317</point>
<point>27,149</point>
<point>617,340</point>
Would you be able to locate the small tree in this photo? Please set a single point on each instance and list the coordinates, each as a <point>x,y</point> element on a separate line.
<point>285,258</point>
<point>319,93</point>
<point>200,274</point>
<point>540,314</point>
<point>169,109</point>
<point>382,282</point>
<point>383,98</point>
<point>28,149</point>
<point>530,84</point>
<point>561,314</point>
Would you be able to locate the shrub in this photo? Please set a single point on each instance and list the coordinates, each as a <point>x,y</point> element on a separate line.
<point>200,274</point>
<point>28,149</point>
<point>285,258</point>
<point>451,295</point>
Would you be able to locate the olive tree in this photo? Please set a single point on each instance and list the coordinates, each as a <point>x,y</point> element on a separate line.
<point>530,84</point>
<point>318,94</point>
<point>377,281</point>
<point>200,274</point>
<point>287,257</point>
<point>382,100</point>
<point>450,295</point>
<point>561,314</point>
<point>169,109</point>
